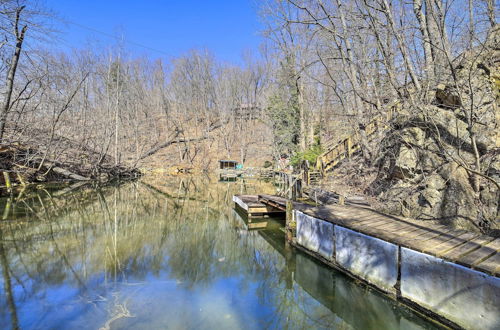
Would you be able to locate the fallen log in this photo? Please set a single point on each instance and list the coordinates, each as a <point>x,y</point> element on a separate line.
<point>70,188</point>
<point>168,143</point>
<point>177,140</point>
<point>64,172</point>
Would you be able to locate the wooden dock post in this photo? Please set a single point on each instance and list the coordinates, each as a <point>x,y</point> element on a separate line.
<point>349,147</point>
<point>289,222</point>
<point>8,184</point>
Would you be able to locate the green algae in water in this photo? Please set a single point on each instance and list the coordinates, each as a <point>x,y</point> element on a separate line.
<point>170,255</point>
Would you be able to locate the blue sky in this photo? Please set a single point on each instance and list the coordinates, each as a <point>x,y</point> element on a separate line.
<point>227,28</point>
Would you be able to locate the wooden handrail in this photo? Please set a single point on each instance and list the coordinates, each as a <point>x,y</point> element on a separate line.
<point>288,184</point>
<point>345,147</point>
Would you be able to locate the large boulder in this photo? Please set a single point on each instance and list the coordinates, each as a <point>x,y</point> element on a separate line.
<point>429,158</point>
<point>458,206</point>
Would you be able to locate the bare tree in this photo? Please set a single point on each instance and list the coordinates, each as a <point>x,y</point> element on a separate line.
<point>11,11</point>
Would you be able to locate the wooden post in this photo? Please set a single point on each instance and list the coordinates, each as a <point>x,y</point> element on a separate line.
<point>289,253</point>
<point>298,188</point>
<point>290,186</point>
<point>305,172</point>
<point>349,147</point>
<point>6,211</point>
<point>280,184</point>
<point>8,185</point>
<point>290,221</point>
<point>283,185</point>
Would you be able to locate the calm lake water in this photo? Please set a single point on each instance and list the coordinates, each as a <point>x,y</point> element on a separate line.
<point>169,255</point>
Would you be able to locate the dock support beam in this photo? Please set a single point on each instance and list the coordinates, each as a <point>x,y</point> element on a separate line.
<point>290,221</point>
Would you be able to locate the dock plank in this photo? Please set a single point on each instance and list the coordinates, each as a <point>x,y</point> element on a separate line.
<point>276,199</point>
<point>445,237</point>
<point>390,226</point>
<point>380,234</point>
<point>403,233</point>
<point>468,247</point>
<point>411,235</point>
<point>410,231</point>
<point>477,256</point>
<point>369,221</point>
<point>491,265</point>
<point>251,205</point>
<point>427,238</point>
<point>373,231</point>
<point>440,249</point>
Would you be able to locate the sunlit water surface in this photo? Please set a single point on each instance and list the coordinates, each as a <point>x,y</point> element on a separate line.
<point>173,254</point>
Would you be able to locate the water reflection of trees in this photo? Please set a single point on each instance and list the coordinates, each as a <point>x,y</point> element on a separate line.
<point>89,239</point>
<point>120,233</point>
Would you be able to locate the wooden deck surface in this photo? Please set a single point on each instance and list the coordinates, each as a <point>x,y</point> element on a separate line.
<point>468,249</point>
<point>254,208</point>
<point>276,201</point>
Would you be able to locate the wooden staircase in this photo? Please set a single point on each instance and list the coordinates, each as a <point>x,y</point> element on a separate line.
<point>337,150</point>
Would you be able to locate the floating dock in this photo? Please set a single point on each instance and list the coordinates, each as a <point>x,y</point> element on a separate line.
<point>452,275</point>
<point>253,208</point>
<point>274,201</point>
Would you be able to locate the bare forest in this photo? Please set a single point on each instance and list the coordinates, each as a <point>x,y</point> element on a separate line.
<point>427,71</point>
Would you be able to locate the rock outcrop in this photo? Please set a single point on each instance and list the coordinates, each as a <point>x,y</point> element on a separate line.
<point>442,160</point>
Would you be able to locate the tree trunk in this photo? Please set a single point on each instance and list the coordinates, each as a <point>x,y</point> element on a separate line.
<point>471,22</point>
<point>355,85</point>
<point>437,36</point>
<point>310,129</point>
<point>491,12</point>
<point>426,43</point>
<point>11,74</point>
<point>402,45</point>
<point>302,116</point>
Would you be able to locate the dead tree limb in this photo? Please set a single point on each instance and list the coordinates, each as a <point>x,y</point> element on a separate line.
<point>176,140</point>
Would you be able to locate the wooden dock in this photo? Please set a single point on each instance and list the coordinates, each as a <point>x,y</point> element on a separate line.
<point>253,208</point>
<point>230,173</point>
<point>274,201</point>
<point>472,250</point>
<point>468,249</point>
<point>450,274</point>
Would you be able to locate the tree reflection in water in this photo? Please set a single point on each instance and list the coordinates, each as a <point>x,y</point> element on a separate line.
<point>174,254</point>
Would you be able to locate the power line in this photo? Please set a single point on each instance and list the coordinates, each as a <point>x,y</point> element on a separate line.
<point>115,37</point>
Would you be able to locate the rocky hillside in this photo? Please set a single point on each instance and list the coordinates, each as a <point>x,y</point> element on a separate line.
<point>441,161</point>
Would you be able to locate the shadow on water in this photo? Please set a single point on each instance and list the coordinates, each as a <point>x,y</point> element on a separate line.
<point>169,253</point>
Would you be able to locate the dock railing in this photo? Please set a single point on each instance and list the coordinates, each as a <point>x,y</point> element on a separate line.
<point>289,184</point>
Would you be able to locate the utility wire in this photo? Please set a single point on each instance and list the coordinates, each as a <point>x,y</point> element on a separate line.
<point>114,37</point>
